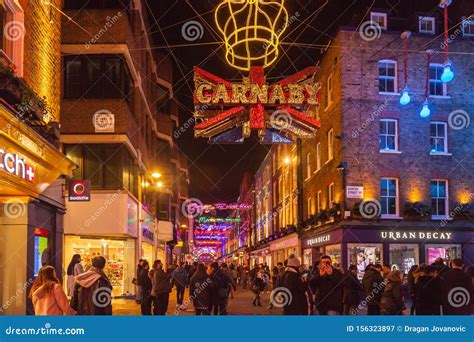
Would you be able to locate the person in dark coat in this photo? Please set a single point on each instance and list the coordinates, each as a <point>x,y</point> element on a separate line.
<point>470,272</point>
<point>373,283</point>
<point>93,291</point>
<point>328,284</point>
<point>440,266</point>
<point>427,289</point>
<point>200,291</point>
<point>136,281</point>
<point>161,282</point>
<point>411,287</point>
<point>458,290</point>
<point>392,299</point>
<point>146,285</point>
<point>219,288</point>
<point>258,285</point>
<point>351,290</point>
<point>179,279</point>
<point>293,290</point>
<point>277,275</point>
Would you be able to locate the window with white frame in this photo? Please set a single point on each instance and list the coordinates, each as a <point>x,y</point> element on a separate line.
<point>439,137</point>
<point>380,19</point>
<point>308,165</point>
<point>389,197</point>
<point>387,76</point>
<point>437,87</point>
<point>318,156</point>
<point>388,135</point>
<point>12,35</point>
<point>439,198</point>
<point>320,201</point>
<point>310,206</point>
<point>330,145</point>
<point>329,91</point>
<point>468,27</point>
<point>330,195</point>
<point>426,25</point>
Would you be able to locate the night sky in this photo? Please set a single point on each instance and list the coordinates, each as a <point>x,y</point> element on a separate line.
<point>216,170</point>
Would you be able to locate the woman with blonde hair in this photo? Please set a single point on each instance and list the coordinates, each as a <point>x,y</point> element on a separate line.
<point>48,296</point>
<point>392,299</point>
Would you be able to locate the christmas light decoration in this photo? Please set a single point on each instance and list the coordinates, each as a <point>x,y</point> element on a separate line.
<point>448,74</point>
<point>251,31</point>
<point>426,111</point>
<point>405,98</point>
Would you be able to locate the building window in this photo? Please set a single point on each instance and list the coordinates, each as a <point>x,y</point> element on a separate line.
<point>439,137</point>
<point>426,25</point>
<point>318,157</point>
<point>468,28</point>
<point>330,145</point>
<point>329,91</point>
<point>388,135</point>
<point>96,77</point>
<point>308,165</point>
<point>12,45</point>
<point>310,206</point>
<point>320,201</point>
<point>380,19</point>
<point>331,195</point>
<point>437,87</point>
<point>387,76</point>
<point>389,197</point>
<point>439,198</point>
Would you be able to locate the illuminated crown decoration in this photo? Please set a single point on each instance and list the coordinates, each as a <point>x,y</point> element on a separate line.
<point>251,30</point>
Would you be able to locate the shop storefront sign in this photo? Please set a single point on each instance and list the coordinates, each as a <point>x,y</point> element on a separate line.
<point>287,243</point>
<point>80,191</point>
<point>410,235</point>
<point>323,239</point>
<point>16,165</point>
<point>355,192</point>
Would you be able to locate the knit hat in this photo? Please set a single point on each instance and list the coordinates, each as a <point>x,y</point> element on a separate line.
<point>293,261</point>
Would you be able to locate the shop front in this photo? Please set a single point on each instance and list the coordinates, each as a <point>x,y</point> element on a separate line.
<point>31,209</point>
<point>318,244</point>
<point>147,228</point>
<point>261,256</point>
<point>282,248</point>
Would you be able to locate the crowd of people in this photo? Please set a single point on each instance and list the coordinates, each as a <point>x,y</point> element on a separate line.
<point>321,289</point>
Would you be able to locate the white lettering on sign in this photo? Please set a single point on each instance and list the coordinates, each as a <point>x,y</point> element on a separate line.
<point>319,239</point>
<point>416,235</point>
<point>355,191</point>
<point>14,164</point>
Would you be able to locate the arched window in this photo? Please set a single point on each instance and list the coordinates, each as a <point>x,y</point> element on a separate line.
<point>12,34</point>
<point>308,165</point>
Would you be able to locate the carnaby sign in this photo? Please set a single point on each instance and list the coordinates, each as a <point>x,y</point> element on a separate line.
<point>410,235</point>
<point>16,165</point>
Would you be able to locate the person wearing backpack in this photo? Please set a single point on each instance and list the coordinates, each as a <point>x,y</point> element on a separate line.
<point>219,289</point>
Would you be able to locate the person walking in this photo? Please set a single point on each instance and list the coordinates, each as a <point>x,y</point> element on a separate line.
<point>392,298</point>
<point>296,303</point>
<point>411,288</point>
<point>373,283</point>
<point>257,287</point>
<point>147,286</point>
<point>93,291</point>
<point>200,291</point>
<point>180,279</point>
<point>328,284</point>
<point>350,292</point>
<point>219,289</point>
<point>440,266</point>
<point>278,271</point>
<point>456,282</point>
<point>136,281</point>
<point>161,288</point>
<point>73,270</point>
<point>48,296</point>
<point>232,285</point>
<point>470,272</point>
<point>427,289</point>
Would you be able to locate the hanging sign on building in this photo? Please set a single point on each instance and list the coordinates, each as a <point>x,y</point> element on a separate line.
<point>80,191</point>
<point>355,191</point>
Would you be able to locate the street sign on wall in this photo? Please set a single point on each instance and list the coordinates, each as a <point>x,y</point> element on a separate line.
<point>355,191</point>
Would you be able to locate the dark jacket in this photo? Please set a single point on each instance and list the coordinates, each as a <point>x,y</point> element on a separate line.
<point>258,285</point>
<point>92,293</point>
<point>200,291</point>
<point>392,299</point>
<point>328,291</point>
<point>161,282</point>
<point>297,303</point>
<point>373,286</point>
<point>411,283</point>
<point>351,290</point>
<point>458,290</point>
<point>145,282</point>
<point>219,288</point>
<point>180,277</point>
<point>428,294</point>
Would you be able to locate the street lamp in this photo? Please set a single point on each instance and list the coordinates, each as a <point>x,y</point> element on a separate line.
<point>156,175</point>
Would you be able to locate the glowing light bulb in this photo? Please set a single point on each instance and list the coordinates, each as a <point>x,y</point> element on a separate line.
<point>425,111</point>
<point>405,98</point>
<point>448,74</point>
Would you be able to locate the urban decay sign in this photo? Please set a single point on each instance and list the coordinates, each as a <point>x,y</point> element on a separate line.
<point>416,235</point>
<point>16,165</point>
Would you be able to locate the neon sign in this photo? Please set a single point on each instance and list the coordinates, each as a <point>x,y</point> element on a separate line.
<point>15,165</point>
